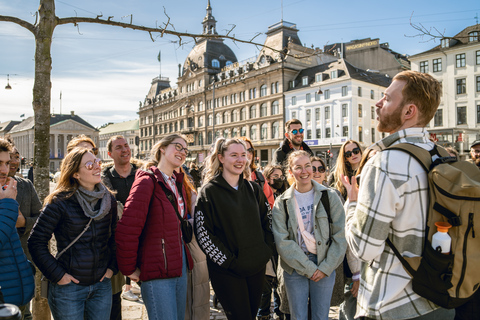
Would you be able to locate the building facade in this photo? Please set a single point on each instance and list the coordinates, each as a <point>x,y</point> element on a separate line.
<point>217,95</point>
<point>128,129</point>
<point>336,102</point>
<point>63,127</point>
<point>456,64</point>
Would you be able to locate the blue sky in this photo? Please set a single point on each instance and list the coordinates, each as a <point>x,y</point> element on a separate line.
<point>103,71</point>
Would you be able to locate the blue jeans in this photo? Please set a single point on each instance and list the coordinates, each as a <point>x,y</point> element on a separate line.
<point>76,302</point>
<point>299,288</point>
<point>166,299</point>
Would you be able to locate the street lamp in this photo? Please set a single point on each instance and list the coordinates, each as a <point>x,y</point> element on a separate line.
<point>8,87</point>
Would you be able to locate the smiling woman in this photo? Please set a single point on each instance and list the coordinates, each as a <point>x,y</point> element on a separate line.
<point>82,214</point>
<point>232,226</point>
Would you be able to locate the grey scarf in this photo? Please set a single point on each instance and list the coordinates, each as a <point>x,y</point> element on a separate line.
<point>89,199</point>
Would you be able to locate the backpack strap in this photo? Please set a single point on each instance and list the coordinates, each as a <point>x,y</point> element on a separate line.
<point>428,159</point>
<point>326,206</point>
<point>260,178</point>
<point>404,262</point>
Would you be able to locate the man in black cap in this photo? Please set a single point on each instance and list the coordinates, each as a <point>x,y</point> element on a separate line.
<point>475,152</point>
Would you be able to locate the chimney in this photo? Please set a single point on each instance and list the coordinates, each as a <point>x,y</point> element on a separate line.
<point>72,113</point>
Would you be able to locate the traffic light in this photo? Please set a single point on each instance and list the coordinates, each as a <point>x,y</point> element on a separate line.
<point>22,161</point>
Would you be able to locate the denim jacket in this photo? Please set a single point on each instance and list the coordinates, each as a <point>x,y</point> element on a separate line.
<point>292,257</point>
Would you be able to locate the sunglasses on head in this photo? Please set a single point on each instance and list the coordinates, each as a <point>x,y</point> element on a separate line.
<point>95,151</point>
<point>295,131</point>
<point>320,169</point>
<point>90,164</point>
<point>348,154</point>
<point>251,150</point>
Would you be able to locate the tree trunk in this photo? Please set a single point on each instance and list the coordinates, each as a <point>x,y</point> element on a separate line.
<point>41,107</point>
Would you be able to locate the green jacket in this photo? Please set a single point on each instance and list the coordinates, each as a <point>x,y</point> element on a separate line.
<point>292,256</point>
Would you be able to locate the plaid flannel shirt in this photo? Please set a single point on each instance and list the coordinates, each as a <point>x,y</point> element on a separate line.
<point>392,202</point>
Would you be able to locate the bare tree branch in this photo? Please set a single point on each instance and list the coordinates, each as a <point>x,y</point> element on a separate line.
<point>27,25</point>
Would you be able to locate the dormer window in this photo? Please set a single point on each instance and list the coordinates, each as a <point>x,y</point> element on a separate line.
<point>473,36</point>
<point>334,74</point>
<point>319,77</point>
<point>305,81</point>
<point>445,43</point>
<point>215,63</point>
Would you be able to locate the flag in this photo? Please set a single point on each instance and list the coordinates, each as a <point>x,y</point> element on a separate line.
<point>159,57</point>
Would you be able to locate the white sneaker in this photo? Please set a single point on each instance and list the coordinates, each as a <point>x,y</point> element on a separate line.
<point>135,288</point>
<point>129,295</point>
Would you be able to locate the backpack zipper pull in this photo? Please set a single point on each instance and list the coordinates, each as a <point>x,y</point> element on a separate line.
<point>470,222</point>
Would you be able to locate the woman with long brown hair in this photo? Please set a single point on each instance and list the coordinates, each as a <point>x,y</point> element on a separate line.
<point>150,244</point>
<point>80,274</point>
<point>347,164</point>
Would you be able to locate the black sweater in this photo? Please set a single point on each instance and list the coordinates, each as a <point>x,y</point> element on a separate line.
<point>233,227</point>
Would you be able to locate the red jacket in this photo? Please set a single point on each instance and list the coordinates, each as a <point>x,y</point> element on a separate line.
<point>148,235</point>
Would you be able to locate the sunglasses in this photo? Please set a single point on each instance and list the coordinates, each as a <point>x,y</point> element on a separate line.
<point>95,151</point>
<point>179,147</point>
<point>295,131</point>
<point>90,164</point>
<point>320,169</point>
<point>348,154</point>
<point>251,150</point>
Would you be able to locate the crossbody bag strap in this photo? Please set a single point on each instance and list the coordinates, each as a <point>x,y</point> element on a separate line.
<point>74,240</point>
<point>169,195</point>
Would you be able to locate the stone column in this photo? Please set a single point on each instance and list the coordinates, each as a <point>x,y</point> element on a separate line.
<point>55,145</point>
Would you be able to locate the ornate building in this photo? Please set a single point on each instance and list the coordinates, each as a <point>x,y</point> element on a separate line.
<point>217,95</point>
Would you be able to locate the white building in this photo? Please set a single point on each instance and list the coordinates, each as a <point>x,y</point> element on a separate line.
<point>128,129</point>
<point>335,102</point>
<point>456,64</point>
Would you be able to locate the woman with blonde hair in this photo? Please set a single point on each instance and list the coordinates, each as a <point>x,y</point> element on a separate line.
<point>151,240</point>
<point>232,226</point>
<point>308,226</point>
<point>82,214</point>
<point>82,141</point>
<point>347,164</point>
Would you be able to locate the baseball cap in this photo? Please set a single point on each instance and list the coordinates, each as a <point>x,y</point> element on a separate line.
<point>475,143</point>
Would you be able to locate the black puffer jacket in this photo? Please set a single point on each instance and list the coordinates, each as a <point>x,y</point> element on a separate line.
<point>88,259</point>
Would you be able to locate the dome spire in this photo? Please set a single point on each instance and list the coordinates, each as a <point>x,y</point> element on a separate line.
<point>209,23</point>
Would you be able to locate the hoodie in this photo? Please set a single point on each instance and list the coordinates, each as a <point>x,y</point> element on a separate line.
<point>233,227</point>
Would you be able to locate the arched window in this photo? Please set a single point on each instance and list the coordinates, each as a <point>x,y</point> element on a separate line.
<point>275,130</point>
<point>200,106</point>
<point>200,121</point>
<point>210,120</point>
<point>243,114</point>
<point>275,109</point>
<point>176,126</point>
<point>263,131</point>
<point>171,127</point>
<point>253,132</point>
<point>225,133</point>
<point>234,132</point>
<point>215,63</point>
<point>243,131</point>
<point>228,63</point>
<point>200,139</point>
<point>263,110</point>
<point>253,112</point>
<point>210,137</point>
<point>218,118</point>
<point>218,134</point>
<point>263,90</point>
<point>233,116</point>
<point>225,117</point>
<point>165,128</point>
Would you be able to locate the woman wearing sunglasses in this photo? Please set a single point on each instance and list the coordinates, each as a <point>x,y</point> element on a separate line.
<point>150,243</point>
<point>82,214</point>
<point>256,175</point>
<point>347,164</point>
<point>310,240</point>
<point>82,141</point>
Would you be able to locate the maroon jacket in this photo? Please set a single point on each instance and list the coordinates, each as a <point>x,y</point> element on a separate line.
<point>148,235</point>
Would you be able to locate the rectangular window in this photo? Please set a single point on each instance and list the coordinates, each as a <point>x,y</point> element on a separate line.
<point>305,81</point>
<point>478,113</point>
<point>319,133</point>
<point>309,116</point>
<point>317,96</point>
<point>334,74</point>
<point>461,86</point>
<point>437,65</point>
<point>477,57</point>
<point>359,91</point>
<point>326,94</point>
<point>460,60</point>
<point>294,101</point>
<point>344,110</point>
<point>317,114</point>
<point>318,77</point>
<point>372,112</point>
<point>373,135</point>
<point>291,84</point>
<point>424,66</point>
<point>360,111</point>
<point>308,98</point>
<point>344,91</point>
<point>294,115</point>
<point>438,118</point>
<point>360,134</point>
<point>327,112</point>
<point>372,94</point>
<point>478,83</point>
<point>345,131</point>
<point>309,134</point>
<point>328,133</point>
<point>461,115</point>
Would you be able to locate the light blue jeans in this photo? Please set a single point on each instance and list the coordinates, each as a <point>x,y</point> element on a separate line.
<point>299,288</point>
<point>76,302</point>
<point>165,299</point>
